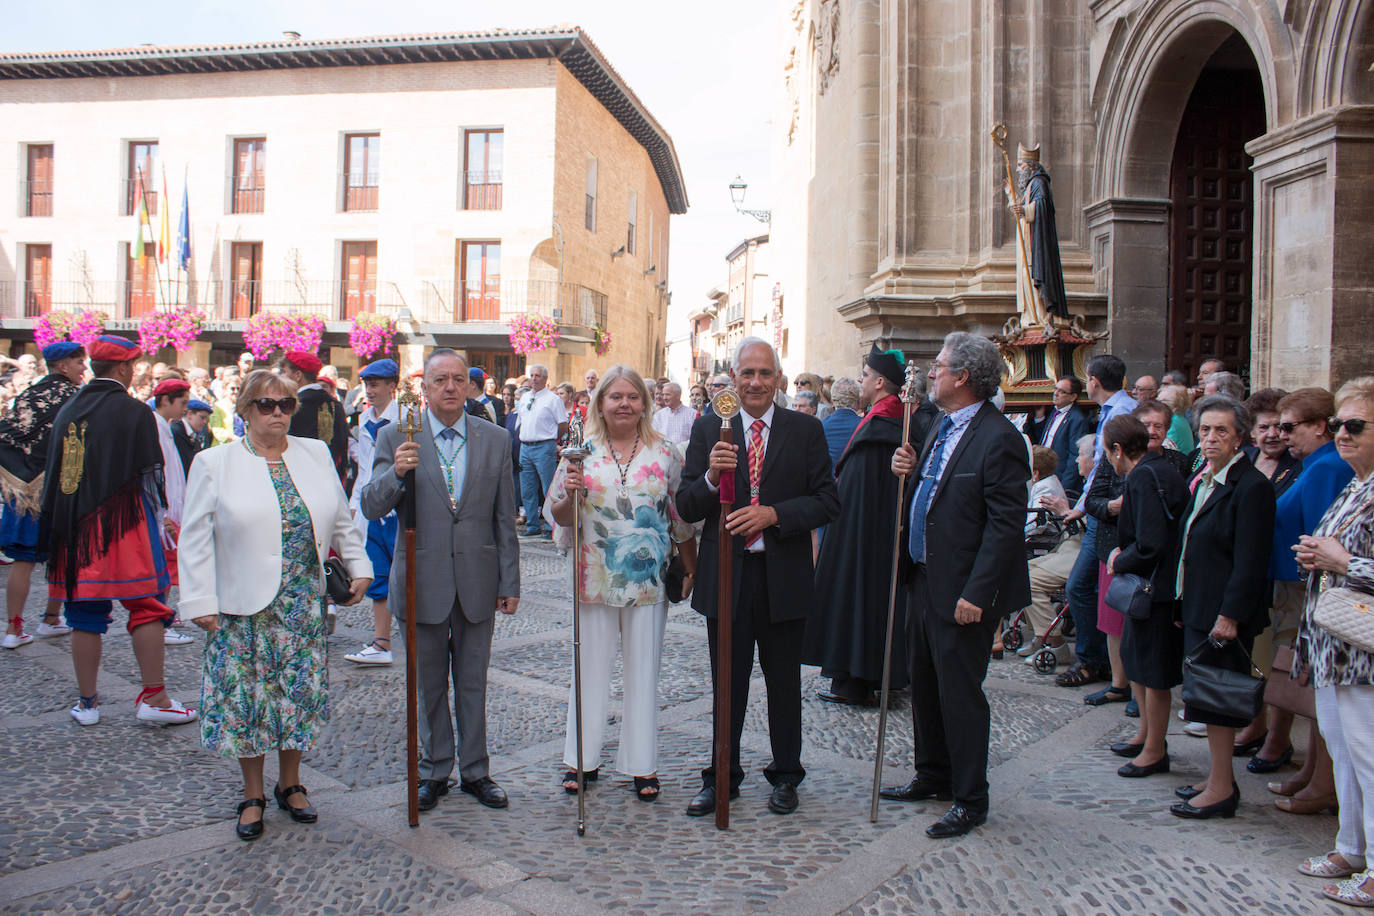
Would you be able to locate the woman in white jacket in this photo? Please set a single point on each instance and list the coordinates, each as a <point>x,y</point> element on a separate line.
<point>260,515</point>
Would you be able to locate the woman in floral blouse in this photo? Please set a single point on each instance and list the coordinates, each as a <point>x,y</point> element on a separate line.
<point>628,483</point>
<point>1341,553</point>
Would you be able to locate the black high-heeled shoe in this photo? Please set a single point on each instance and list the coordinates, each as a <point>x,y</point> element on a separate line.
<point>1249,748</point>
<point>1258,764</point>
<point>306,815</point>
<point>249,832</point>
<point>1224,808</point>
<point>1187,792</point>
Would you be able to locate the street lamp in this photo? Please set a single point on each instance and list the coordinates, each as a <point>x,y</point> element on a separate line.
<point>737,191</point>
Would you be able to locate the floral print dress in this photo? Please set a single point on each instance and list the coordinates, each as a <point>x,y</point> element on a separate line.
<point>266,679</point>
<point>627,534</point>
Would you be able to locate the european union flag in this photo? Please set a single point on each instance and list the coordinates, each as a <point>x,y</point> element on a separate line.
<point>184,232</point>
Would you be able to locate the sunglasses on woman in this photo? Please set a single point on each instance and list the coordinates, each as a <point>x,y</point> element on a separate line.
<point>268,406</point>
<point>1287,428</point>
<point>1355,426</point>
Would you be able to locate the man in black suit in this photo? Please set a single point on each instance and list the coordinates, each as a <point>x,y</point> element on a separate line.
<point>784,488</point>
<point>965,567</point>
<point>1067,423</point>
<point>190,434</point>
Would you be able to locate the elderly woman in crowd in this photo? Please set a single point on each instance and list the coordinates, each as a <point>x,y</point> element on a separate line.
<point>805,401</point>
<point>1151,648</point>
<point>810,381</point>
<point>265,679</point>
<point>1269,450</point>
<point>1221,583</point>
<point>1340,553</point>
<point>698,398</point>
<point>1302,415</point>
<point>1178,399</point>
<point>627,483</point>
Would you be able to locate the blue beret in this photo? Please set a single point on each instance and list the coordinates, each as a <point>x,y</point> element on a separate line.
<point>197,404</point>
<point>382,368</point>
<point>60,350</point>
<point>475,374</point>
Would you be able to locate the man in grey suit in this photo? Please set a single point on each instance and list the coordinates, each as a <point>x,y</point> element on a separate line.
<point>468,567</point>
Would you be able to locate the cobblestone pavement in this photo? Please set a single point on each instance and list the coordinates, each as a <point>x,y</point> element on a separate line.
<point>120,818</point>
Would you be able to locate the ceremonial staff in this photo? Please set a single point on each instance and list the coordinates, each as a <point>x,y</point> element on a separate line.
<point>409,403</point>
<point>908,398</point>
<point>726,406</point>
<point>576,452</point>
<point>999,138</point>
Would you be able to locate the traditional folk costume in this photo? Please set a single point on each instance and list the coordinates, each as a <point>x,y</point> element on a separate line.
<point>24,437</point>
<point>319,415</point>
<point>173,473</point>
<point>103,502</point>
<point>854,569</point>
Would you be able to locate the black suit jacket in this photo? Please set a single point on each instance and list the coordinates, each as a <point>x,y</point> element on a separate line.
<point>1065,444</point>
<point>796,481</point>
<point>188,444</point>
<point>1152,508</point>
<point>1226,554</point>
<point>975,527</point>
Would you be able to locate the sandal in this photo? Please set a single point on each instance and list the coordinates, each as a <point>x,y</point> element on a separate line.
<point>649,785</point>
<point>570,779</point>
<point>1350,892</point>
<point>1077,676</point>
<point>1108,695</point>
<point>1323,867</point>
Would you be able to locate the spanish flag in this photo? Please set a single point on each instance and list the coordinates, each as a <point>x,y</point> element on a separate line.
<point>164,235</point>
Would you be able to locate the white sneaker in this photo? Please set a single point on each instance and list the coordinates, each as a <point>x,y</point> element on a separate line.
<point>1196,729</point>
<point>5,560</point>
<point>49,630</point>
<point>85,715</point>
<point>370,655</point>
<point>331,618</point>
<point>14,642</point>
<point>1030,648</point>
<point>173,638</point>
<point>176,714</point>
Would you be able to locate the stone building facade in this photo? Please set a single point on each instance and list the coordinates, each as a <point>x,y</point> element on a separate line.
<point>1210,161</point>
<point>458,180</point>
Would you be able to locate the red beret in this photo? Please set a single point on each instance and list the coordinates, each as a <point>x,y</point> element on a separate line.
<point>306,362</point>
<point>171,386</point>
<point>110,349</point>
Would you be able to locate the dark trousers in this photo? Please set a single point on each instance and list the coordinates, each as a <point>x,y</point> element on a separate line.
<point>1090,645</point>
<point>949,711</point>
<point>780,651</point>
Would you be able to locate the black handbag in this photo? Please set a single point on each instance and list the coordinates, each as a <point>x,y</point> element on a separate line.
<point>337,583</point>
<point>1131,595</point>
<point>673,580</point>
<point>1221,691</point>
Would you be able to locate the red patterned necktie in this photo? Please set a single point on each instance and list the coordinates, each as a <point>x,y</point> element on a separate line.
<point>755,472</point>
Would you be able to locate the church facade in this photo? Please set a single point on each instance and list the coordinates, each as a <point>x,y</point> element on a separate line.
<point>1210,162</point>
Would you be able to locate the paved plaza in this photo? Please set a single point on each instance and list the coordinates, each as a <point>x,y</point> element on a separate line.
<point>123,818</point>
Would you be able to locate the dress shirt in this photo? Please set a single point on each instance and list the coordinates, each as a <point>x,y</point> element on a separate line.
<point>756,546</point>
<point>369,426</point>
<point>675,425</point>
<point>1120,402</point>
<point>451,449</point>
<point>960,419</point>
<point>1056,420</point>
<point>541,414</point>
<point>173,475</point>
<point>1206,484</point>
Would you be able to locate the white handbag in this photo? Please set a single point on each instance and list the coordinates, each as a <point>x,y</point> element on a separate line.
<point>1343,612</point>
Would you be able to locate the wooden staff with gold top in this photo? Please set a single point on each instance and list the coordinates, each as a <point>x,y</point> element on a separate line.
<point>908,399</point>
<point>726,406</point>
<point>409,404</point>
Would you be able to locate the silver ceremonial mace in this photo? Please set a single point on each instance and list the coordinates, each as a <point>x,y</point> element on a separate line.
<point>575,452</point>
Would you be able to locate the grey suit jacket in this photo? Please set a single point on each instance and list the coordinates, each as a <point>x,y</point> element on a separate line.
<point>470,551</point>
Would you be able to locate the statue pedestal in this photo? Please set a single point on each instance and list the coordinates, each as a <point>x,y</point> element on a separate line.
<point>1039,355</point>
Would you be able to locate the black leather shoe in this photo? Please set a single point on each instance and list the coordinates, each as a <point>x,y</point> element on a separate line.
<point>250,832</point>
<point>486,791</point>
<point>957,821</point>
<point>1131,771</point>
<point>1224,808</point>
<point>783,800</point>
<point>1249,748</point>
<point>705,802</point>
<point>430,790</point>
<point>1258,764</point>
<point>306,815</point>
<point>830,696</point>
<point>916,790</point>
<point>1126,749</point>
<point>1187,792</point>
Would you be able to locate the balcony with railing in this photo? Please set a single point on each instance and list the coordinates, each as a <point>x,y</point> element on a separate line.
<point>130,189</point>
<point>482,189</point>
<point>36,197</point>
<point>361,190</point>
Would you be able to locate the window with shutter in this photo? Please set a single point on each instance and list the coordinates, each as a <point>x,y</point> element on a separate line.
<point>39,182</point>
<point>359,278</point>
<point>250,175</point>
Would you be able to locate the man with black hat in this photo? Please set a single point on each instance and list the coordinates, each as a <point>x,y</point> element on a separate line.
<point>24,436</point>
<point>319,415</point>
<point>854,570</point>
<point>102,506</point>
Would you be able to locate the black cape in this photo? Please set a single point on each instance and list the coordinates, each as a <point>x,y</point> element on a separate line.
<point>854,570</point>
<point>320,416</point>
<point>1047,273</point>
<point>25,433</point>
<point>104,458</point>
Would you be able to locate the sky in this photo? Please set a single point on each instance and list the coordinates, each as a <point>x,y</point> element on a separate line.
<point>706,70</point>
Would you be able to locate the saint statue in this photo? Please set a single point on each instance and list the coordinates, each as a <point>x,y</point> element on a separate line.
<point>1039,284</point>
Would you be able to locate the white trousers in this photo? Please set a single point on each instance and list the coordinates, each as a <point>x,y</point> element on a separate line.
<point>1345,716</point>
<point>638,630</point>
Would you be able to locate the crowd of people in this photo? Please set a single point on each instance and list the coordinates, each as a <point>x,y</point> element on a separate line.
<point>1191,527</point>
